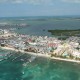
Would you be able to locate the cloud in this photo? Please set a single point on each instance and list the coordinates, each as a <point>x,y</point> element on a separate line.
<point>72,1</point>
<point>39,2</point>
<point>35,2</point>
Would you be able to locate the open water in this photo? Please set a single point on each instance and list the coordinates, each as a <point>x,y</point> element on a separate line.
<point>40,25</point>
<point>19,67</point>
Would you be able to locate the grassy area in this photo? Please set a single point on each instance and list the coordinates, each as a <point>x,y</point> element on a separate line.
<point>65,32</point>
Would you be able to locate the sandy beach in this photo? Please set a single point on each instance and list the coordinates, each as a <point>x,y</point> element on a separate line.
<point>40,55</point>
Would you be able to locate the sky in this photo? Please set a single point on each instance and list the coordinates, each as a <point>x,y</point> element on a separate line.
<point>14,8</point>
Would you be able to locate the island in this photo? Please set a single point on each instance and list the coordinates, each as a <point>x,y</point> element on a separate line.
<point>44,46</point>
<point>65,32</point>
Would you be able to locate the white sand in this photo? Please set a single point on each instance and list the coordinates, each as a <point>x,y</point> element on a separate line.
<point>41,55</point>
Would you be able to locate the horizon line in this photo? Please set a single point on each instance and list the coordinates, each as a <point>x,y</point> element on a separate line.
<point>42,16</point>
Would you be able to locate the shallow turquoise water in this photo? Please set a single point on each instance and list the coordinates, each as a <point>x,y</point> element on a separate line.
<point>38,69</point>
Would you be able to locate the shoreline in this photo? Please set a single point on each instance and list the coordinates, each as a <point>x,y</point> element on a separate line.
<point>41,55</point>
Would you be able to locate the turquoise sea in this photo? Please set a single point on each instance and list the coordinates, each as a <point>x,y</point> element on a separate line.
<point>37,69</point>
<point>15,66</point>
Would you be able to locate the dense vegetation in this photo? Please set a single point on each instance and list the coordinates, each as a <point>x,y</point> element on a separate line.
<point>65,32</point>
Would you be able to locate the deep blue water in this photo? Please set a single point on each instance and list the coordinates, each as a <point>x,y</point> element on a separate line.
<point>40,25</point>
<point>39,69</point>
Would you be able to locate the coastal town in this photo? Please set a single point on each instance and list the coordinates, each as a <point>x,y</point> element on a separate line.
<point>51,47</point>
